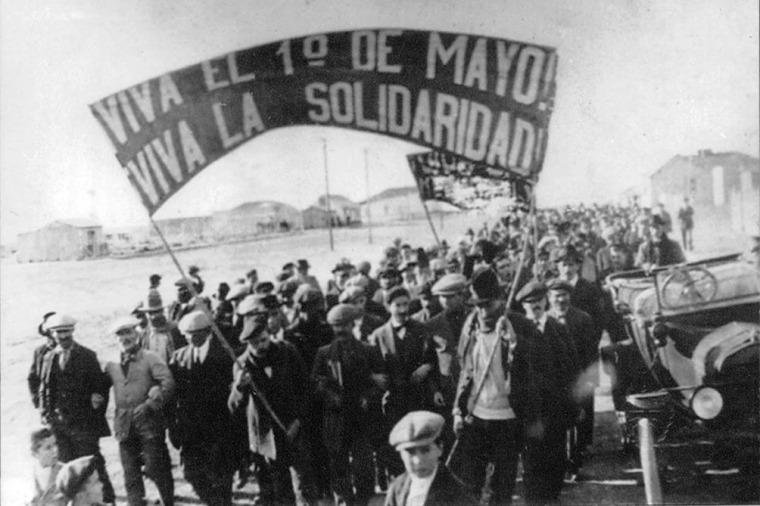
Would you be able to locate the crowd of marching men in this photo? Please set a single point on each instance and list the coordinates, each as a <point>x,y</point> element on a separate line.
<point>427,379</point>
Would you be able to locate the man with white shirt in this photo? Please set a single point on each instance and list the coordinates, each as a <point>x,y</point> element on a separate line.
<point>497,400</point>
<point>199,423</point>
<point>417,438</point>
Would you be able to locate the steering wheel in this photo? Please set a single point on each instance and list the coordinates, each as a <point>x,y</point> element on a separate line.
<point>688,285</point>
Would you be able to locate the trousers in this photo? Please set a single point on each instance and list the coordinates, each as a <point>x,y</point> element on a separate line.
<point>137,450</point>
<point>74,443</point>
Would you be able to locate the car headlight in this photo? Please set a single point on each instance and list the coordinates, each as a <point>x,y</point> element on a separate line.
<point>706,403</point>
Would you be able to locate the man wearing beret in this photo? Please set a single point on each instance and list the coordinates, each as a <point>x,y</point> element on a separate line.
<point>270,385</point>
<point>497,400</point>
<point>142,385</point>
<point>409,361</point>
<point>659,249</point>
<point>581,331</point>
<point>199,423</point>
<point>417,437</point>
<point>73,395</point>
<point>349,377</point>
<point>555,368</point>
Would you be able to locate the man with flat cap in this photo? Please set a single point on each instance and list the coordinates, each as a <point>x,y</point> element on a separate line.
<point>199,423</point>
<point>270,384</point>
<point>442,332</point>
<point>580,329</point>
<point>142,385</point>
<point>365,322</point>
<point>349,377</point>
<point>497,400</point>
<point>73,396</point>
<point>555,367</point>
<point>409,362</point>
<point>417,437</point>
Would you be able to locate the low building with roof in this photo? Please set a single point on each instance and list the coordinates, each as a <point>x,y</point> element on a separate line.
<point>71,239</point>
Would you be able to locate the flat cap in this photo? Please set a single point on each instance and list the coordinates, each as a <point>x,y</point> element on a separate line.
<point>73,474</point>
<point>559,284</point>
<point>238,291</point>
<point>253,325</point>
<point>342,314</point>
<point>395,293</point>
<point>252,304</point>
<point>417,428</point>
<point>533,290</point>
<point>351,293</point>
<point>193,321</point>
<point>359,280</point>
<point>121,323</point>
<point>60,321</point>
<point>264,287</point>
<point>450,284</point>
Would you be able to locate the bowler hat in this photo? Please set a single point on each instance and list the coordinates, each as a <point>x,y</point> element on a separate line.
<point>533,290</point>
<point>485,286</point>
<point>417,428</point>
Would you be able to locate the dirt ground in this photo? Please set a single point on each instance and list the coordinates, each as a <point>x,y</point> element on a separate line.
<point>95,292</point>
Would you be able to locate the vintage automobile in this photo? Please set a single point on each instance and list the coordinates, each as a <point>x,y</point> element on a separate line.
<point>696,328</point>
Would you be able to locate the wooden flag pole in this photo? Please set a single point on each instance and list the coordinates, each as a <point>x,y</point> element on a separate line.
<point>366,182</point>
<point>327,195</point>
<point>430,221</point>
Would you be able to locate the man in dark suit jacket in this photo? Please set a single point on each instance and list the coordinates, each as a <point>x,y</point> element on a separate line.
<point>73,397</point>
<point>581,330</point>
<point>417,438</point>
<point>555,367</point>
<point>409,362</point>
<point>34,378</point>
<point>199,423</point>
<point>275,371</point>
<point>348,376</point>
<point>366,322</point>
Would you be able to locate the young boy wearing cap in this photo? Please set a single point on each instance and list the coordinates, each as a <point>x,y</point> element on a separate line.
<point>79,482</point>
<point>417,439</point>
<point>73,396</point>
<point>142,384</point>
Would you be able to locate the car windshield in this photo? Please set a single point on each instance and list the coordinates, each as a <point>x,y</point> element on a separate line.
<point>707,285</point>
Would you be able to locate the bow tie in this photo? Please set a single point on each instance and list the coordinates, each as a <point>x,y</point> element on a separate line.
<point>399,328</point>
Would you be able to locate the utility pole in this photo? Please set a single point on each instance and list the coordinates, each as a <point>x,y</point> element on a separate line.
<point>327,195</point>
<point>366,181</point>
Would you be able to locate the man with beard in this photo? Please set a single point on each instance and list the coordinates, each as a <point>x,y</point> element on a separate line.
<point>161,336</point>
<point>581,330</point>
<point>409,361</point>
<point>271,385</point>
<point>555,366</point>
<point>443,331</point>
<point>496,399</point>
<point>348,375</point>
<point>73,396</point>
<point>365,323</point>
<point>142,384</point>
<point>186,302</point>
<point>199,423</point>
<point>659,249</point>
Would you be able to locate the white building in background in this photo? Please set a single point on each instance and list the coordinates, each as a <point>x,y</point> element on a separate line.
<point>74,239</point>
<point>255,218</point>
<point>401,204</point>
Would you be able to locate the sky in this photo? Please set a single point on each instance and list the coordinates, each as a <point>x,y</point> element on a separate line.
<point>637,83</point>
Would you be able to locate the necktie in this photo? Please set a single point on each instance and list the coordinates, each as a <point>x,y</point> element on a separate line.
<point>63,359</point>
<point>196,357</point>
